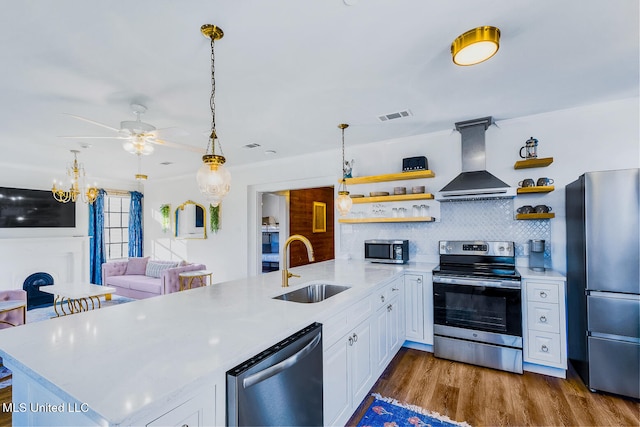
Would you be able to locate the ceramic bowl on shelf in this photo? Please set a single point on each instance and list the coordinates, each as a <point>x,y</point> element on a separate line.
<point>418,189</point>
<point>378,193</point>
<point>356,196</point>
<point>399,190</point>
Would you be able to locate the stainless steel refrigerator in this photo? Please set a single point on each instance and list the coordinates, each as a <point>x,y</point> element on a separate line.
<point>603,280</point>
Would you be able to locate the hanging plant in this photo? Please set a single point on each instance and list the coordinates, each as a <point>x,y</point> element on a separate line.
<point>214,215</point>
<point>164,212</point>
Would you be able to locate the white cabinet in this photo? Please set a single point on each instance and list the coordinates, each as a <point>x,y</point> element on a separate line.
<point>348,342</point>
<point>195,412</point>
<point>389,323</point>
<point>544,320</point>
<point>418,307</point>
<point>347,373</point>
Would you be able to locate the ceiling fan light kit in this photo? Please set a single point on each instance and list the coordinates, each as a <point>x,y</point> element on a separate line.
<point>213,179</point>
<point>475,46</point>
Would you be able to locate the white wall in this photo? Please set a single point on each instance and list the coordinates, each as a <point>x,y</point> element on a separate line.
<point>595,137</point>
<point>26,176</point>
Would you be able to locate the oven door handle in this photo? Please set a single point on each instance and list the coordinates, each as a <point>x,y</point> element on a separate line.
<point>478,282</point>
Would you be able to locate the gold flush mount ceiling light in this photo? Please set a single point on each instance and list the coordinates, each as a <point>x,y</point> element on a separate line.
<point>475,45</point>
<point>214,180</point>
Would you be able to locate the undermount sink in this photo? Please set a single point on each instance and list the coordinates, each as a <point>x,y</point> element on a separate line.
<point>314,292</point>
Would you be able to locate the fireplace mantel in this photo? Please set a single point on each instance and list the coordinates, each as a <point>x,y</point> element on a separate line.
<point>64,258</point>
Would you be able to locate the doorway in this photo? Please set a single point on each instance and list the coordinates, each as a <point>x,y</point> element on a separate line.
<point>278,194</point>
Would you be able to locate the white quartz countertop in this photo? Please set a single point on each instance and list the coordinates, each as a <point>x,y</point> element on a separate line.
<point>527,273</point>
<point>129,359</point>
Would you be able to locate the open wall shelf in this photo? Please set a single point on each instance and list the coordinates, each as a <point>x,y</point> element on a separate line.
<point>537,189</point>
<point>392,198</point>
<point>536,216</point>
<point>390,177</point>
<point>371,220</point>
<point>533,163</point>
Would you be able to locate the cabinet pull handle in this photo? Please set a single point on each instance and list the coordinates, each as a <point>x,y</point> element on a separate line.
<point>382,298</point>
<point>543,319</point>
<point>350,341</point>
<point>355,338</point>
<point>389,307</point>
<point>543,294</point>
<point>395,289</point>
<point>544,348</point>
<point>419,280</point>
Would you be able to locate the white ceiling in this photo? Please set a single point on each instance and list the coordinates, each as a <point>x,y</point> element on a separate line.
<point>288,71</point>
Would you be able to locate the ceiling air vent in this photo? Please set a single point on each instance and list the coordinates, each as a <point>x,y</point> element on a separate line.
<point>397,115</point>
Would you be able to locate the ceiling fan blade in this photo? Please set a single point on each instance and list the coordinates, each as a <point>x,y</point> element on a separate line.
<point>173,131</point>
<point>176,145</point>
<point>93,122</point>
<point>93,137</point>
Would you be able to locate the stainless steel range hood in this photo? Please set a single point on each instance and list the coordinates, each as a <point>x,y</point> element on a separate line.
<point>474,182</point>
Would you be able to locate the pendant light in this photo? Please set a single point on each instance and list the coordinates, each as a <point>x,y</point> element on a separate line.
<point>213,178</point>
<point>475,46</point>
<point>343,202</point>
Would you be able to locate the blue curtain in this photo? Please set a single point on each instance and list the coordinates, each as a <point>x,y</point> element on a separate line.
<point>97,252</point>
<point>135,224</point>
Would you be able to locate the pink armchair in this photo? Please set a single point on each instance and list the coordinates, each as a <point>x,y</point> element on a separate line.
<point>13,307</point>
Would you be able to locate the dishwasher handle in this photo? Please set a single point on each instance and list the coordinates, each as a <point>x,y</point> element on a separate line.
<point>281,366</point>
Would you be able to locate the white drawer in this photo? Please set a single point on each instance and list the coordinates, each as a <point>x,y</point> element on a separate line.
<point>383,296</point>
<point>543,317</point>
<point>542,292</point>
<point>544,347</point>
<point>360,311</point>
<point>334,328</point>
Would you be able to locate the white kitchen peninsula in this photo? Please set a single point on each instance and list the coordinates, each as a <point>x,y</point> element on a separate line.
<point>162,361</point>
<point>134,363</point>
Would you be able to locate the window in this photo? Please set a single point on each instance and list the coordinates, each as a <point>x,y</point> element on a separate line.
<point>116,226</point>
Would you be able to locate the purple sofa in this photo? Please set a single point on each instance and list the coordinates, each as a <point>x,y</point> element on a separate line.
<point>143,278</point>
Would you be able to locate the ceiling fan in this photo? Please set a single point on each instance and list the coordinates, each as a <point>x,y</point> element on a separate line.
<point>138,137</point>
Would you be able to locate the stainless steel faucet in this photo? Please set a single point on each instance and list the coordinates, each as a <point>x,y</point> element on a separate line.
<point>285,272</point>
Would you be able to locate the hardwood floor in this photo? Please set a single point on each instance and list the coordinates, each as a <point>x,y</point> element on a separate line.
<point>486,397</point>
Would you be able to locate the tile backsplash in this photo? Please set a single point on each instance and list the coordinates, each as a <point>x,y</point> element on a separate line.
<point>460,220</point>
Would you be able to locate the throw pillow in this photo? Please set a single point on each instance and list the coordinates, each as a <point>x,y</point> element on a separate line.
<point>136,266</point>
<point>156,268</point>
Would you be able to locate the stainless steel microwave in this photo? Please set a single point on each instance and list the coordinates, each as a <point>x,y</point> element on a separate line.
<point>387,251</point>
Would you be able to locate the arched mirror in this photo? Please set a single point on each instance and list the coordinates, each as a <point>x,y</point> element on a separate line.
<point>191,221</point>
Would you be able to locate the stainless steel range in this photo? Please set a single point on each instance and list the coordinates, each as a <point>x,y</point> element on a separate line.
<point>478,305</point>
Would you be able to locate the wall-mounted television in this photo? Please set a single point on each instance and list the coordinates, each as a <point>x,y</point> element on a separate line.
<point>23,208</point>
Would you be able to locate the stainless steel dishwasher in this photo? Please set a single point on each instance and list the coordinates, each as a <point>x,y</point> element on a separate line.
<point>281,386</point>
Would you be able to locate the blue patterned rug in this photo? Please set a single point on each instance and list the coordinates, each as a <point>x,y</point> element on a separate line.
<point>387,412</point>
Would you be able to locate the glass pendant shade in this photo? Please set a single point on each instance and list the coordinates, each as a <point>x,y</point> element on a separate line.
<point>344,203</point>
<point>214,180</point>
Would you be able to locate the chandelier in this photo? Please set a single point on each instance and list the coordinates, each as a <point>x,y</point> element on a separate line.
<point>343,202</point>
<point>78,190</point>
<point>213,178</point>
